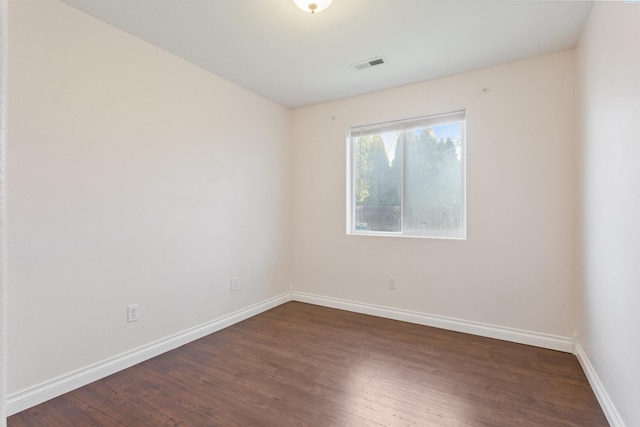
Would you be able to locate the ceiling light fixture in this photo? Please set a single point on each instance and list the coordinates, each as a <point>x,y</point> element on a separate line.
<point>312,6</point>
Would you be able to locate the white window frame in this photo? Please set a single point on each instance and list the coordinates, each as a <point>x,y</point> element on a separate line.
<point>424,121</point>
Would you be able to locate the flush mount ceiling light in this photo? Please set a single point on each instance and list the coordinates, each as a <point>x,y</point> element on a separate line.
<point>312,6</point>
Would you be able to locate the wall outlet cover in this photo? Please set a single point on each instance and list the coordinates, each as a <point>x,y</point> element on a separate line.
<point>132,313</point>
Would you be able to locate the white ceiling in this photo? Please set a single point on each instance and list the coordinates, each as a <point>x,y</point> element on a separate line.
<point>295,59</point>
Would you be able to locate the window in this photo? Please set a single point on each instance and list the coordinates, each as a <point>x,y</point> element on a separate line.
<point>407,177</point>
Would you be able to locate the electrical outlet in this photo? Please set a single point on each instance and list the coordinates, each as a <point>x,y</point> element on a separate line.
<point>234,283</point>
<point>132,313</point>
<point>391,281</point>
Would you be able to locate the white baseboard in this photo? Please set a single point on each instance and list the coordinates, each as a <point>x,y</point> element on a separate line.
<point>598,388</point>
<point>40,393</point>
<point>553,342</point>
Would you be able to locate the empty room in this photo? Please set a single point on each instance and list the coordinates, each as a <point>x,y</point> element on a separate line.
<point>331,213</point>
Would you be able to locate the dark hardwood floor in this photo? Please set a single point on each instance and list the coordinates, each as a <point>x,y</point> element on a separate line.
<point>304,365</point>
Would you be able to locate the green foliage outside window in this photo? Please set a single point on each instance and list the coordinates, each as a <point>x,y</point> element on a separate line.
<point>409,180</point>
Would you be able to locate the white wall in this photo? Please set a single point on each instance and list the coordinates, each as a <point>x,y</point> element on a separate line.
<point>517,268</point>
<point>133,177</point>
<point>609,92</point>
<point>3,211</point>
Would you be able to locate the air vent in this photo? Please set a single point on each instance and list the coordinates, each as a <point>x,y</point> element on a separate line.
<point>369,63</point>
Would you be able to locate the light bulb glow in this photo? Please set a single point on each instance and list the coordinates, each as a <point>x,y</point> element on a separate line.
<point>312,6</point>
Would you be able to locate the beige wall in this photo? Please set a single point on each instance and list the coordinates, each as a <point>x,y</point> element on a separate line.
<point>3,210</point>
<point>609,93</point>
<point>134,177</point>
<point>517,268</point>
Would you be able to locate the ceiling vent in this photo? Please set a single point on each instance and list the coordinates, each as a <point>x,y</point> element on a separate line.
<point>369,63</point>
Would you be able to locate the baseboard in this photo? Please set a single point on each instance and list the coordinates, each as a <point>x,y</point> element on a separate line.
<point>554,342</point>
<point>40,393</point>
<point>598,388</point>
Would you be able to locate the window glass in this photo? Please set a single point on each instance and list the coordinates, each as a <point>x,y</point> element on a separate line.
<point>407,177</point>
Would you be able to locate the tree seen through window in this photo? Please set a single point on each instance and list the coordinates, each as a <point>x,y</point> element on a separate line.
<point>409,180</point>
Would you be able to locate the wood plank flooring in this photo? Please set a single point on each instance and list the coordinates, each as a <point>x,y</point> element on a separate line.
<point>304,365</point>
